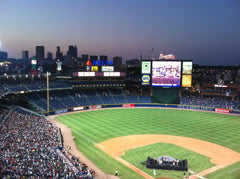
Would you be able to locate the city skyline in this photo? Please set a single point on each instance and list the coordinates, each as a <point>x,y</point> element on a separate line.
<point>208,32</point>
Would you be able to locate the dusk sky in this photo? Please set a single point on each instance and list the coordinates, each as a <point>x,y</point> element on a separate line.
<point>206,31</point>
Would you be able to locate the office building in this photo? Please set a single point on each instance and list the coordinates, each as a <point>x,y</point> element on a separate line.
<point>49,56</point>
<point>103,59</point>
<point>117,61</point>
<point>84,58</point>
<point>133,63</point>
<point>3,56</point>
<point>25,54</point>
<point>59,54</point>
<point>93,58</point>
<point>72,51</point>
<point>39,52</point>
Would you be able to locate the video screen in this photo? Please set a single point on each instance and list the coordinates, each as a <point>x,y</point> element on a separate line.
<point>166,73</point>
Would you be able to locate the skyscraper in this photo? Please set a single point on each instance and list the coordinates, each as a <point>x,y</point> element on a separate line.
<point>49,56</point>
<point>59,55</point>
<point>25,54</point>
<point>93,58</point>
<point>3,55</point>
<point>117,61</point>
<point>39,52</point>
<point>103,59</point>
<point>72,51</point>
<point>84,58</point>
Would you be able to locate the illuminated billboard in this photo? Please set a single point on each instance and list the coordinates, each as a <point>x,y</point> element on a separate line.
<point>34,66</point>
<point>186,81</point>
<point>187,68</point>
<point>111,74</point>
<point>59,66</point>
<point>146,79</point>
<point>94,74</point>
<point>107,68</point>
<point>146,67</point>
<point>166,73</point>
<point>34,62</point>
<point>94,68</point>
<point>86,74</point>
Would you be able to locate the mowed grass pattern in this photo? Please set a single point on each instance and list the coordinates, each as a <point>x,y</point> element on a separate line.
<point>96,126</point>
<point>196,161</point>
<point>230,172</point>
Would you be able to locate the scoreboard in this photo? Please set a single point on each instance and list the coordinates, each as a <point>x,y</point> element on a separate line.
<point>167,73</point>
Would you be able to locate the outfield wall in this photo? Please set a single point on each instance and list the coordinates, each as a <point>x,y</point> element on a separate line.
<point>150,105</point>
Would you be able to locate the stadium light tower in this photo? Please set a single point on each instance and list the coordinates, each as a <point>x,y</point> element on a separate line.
<point>47,92</point>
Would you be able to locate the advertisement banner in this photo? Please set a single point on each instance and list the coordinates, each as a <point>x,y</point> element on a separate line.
<point>94,68</point>
<point>95,107</point>
<point>187,68</point>
<point>222,110</point>
<point>186,81</point>
<point>146,67</point>
<point>61,111</point>
<point>78,108</point>
<point>107,68</point>
<point>145,79</point>
<point>33,72</point>
<point>128,105</point>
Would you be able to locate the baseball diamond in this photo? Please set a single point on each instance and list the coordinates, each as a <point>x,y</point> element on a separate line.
<point>122,138</point>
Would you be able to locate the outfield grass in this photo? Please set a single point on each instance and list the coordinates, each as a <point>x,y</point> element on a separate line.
<point>230,172</point>
<point>94,127</point>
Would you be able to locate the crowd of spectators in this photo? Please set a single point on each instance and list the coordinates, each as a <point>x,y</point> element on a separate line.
<point>216,90</point>
<point>210,102</point>
<point>1,93</point>
<point>77,163</point>
<point>27,148</point>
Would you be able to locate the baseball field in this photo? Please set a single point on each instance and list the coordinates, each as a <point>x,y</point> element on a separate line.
<point>120,139</point>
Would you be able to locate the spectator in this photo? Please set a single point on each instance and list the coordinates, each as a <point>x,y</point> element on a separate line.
<point>27,148</point>
<point>210,102</point>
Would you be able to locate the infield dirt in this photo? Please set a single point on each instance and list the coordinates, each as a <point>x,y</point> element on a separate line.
<point>221,156</point>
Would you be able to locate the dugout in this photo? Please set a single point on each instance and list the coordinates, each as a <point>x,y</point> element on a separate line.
<point>165,95</point>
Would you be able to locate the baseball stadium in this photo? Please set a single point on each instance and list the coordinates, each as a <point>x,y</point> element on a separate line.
<point>102,125</point>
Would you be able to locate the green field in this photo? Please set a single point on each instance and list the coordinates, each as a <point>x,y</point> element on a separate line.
<point>196,162</point>
<point>92,127</point>
<point>230,172</point>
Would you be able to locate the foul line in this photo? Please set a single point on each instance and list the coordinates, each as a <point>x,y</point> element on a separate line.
<point>84,136</point>
<point>140,172</point>
<point>234,170</point>
<point>90,141</point>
